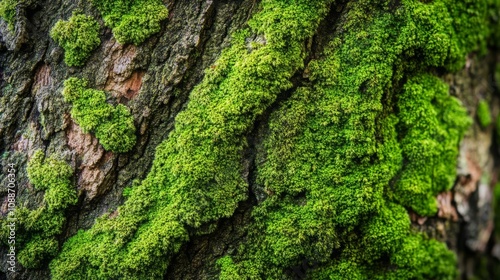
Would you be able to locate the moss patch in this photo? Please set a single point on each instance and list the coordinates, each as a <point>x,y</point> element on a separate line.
<point>8,11</point>
<point>431,125</point>
<point>78,36</point>
<point>196,175</point>
<point>54,177</point>
<point>37,230</point>
<point>132,21</point>
<point>113,126</point>
<point>339,159</point>
<point>483,113</point>
<point>374,133</point>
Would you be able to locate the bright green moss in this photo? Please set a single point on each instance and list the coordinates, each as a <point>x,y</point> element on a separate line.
<point>196,175</point>
<point>38,249</point>
<point>415,259</point>
<point>42,220</point>
<point>78,36</point>
<point>344,155</point>
<point>421,258</point>
<point>113,126</point>
<point>36,230</point>
<point>132,21</point>
<point>54,177</point>
<point>432,123</point>
<point>229,270</point>
<point>483,113</point>
<point>338,158</point>
<point>8,11</point>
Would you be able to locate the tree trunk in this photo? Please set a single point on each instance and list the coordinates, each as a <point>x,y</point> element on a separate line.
<point>154,80</point>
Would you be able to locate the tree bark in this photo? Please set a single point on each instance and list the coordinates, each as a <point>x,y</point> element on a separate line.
<point>154,80</point>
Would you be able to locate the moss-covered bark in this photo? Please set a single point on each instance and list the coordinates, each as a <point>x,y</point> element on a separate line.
<point>274,139</point>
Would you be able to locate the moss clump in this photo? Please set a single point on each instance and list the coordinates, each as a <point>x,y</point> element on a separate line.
<point>432,123</point>
<point>229,270</point>
<point>196,175</point>
<point>415,259</point>
<point>78,36</point>
<point>8,11</point>
<point>132,21</point>
<point>113,126</point>
<point>332,158</point>
<point>344,155</point>
<point>37,229</point>
<point>53,177</point>
<point>483,114</point>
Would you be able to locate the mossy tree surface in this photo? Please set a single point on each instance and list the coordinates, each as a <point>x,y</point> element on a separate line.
<point>196,176</point>
<point>132,21</point>
<point>372,133</point>
<point>37,230</point>
<point>78,36</point>
<point>8,11</point>
<point>367,135</point>
<point>113,126</point>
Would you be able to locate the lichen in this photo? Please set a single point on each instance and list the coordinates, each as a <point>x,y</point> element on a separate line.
<point>483,114</point>
<point>113,126</point>
<point>78,36</point>
<point>132,21</point>
<point>37,230</point>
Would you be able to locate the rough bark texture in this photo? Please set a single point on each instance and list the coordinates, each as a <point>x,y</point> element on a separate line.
<point>154,80</point>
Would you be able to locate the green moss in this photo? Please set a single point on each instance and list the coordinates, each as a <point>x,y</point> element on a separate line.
<point>53,177</point>
<point>415,259</point>
<point>344,156</point>
<point>483,113</point>
<point>229,270</point>
<point>78,36</point>
<point>432,123</point>
<point>132,21</point>
<point>38,249</point>
<point>113,126</point>
<point>36,230</point>
<point>8,11</point>
<point>196,175</point>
